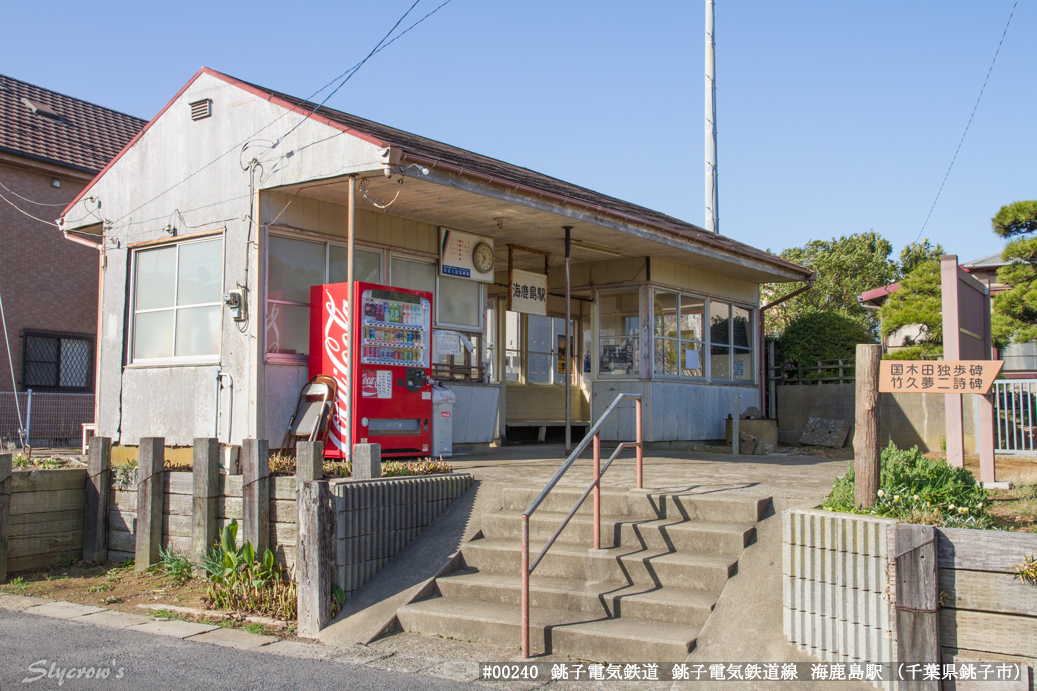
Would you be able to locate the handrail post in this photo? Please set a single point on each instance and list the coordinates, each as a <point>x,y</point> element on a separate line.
<point>597,490</point>
<point>639,438</point>
<point>525,586</point>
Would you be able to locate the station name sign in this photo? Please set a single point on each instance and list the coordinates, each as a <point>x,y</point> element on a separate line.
<point>938,376</point>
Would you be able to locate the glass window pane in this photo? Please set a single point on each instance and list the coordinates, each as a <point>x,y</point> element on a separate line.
<point>287,329</point>
<point>75,362</point>
<point>743,364</point>
<point>513,365</point>
<point>198,331</point>
<point>719,322</point>
<point>665,314</point>
<point>458,301</point>
<point>618,357</point>
<point>154,278</point>
<point>413,275</point>
<point>720,362</point>
<point>490,354</point>
<point>153,334</point>
<point>692,359</point>
<point>512,326</point>
<point>619,313</point>
<point>538,332</point>
<point>200,272</point>
<point>539,368</point>
<point>292,267</point>
<point>368,266</point>
<point>692,311</point>
<point>666,355</point>
<point>742,327</point>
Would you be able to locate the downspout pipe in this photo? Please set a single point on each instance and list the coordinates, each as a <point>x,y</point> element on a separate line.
<point>762,340</point>
<point>99,246</point>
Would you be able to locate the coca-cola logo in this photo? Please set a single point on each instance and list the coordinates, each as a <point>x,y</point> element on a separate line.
<point>368,384</point>
<point>336,348</point>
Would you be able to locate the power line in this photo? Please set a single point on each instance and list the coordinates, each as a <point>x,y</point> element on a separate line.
<point>31,201</point>
<point>26,213</point>
<point>954,158</point>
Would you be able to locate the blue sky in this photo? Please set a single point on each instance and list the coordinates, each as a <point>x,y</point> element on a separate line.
<point>834,117</point>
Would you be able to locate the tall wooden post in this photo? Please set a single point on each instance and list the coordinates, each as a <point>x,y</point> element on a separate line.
<point>95,506</point>
<point>255,493</point>
<point>151,486</point>
<point>205,470</point>
<point>866,460</point>
<point>315,559</point>
<point>5,508</point>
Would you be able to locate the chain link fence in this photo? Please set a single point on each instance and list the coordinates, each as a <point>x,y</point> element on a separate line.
<point>55,419</point>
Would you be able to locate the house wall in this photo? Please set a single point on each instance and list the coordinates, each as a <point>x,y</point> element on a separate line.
<point>47,282</point>
<point>186,174</point>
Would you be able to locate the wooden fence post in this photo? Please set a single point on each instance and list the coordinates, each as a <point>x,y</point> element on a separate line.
<point>98,494</point>
<point>917,601</point>
<point>255,492</point>
<point>151,459</point>
<point>205,471</point>
<point>866,459</point>
<point>309,461</point>
<point>5,508</point>
<point>315,558</point>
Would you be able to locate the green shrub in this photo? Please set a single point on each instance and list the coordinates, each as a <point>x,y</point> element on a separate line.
<point>916,489</point>
<point>822,336</point>
<point>240,581</point>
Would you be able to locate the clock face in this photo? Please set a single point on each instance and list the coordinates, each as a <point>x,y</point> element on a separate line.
<point>482,257</point>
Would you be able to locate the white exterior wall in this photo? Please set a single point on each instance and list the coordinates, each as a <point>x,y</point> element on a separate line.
<point>177,164</point>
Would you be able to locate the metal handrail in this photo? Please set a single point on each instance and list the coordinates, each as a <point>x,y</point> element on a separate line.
<point>593,434</point>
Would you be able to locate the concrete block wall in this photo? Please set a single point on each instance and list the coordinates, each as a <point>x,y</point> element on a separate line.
<point>375,519</point>
<point>836,582</point>
<point>908,419</point>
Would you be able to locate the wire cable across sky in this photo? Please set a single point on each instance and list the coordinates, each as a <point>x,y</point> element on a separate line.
<point>982,89</point>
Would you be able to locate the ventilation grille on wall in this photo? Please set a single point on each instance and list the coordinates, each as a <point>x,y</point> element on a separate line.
<point>201,109</point>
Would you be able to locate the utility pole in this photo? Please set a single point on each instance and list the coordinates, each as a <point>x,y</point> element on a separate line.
<point>712,195</point>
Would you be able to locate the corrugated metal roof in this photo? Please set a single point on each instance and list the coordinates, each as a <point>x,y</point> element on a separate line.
<point>45,125</point>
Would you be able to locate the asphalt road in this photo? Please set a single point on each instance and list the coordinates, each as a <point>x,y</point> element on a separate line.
<point>30,645</point>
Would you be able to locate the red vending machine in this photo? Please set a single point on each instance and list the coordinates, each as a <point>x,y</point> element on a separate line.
<point>392,385</point>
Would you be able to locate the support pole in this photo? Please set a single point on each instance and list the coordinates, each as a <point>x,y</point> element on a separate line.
<point>98,494</point>
<point>151,458</point>
<point>5,508</point>
<point>917,601</point>
<point>712,196</point>
<point>568,347</point>
<point>597,490</point>
<point>351,337</point>
<point>866,459</point>
<point>205,470</point>
<point>315,560</point>
<point>640,440</point>
<point>511,273</point>
<point>525,586</point>
<point>255,491</point>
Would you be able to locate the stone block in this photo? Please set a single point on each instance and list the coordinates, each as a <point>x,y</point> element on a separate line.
<point>825,432</point>
<point>746,444</point>
<point>367,461</point>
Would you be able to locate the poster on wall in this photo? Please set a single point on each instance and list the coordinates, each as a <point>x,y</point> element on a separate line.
<point>464,255</point>
<point>528,293</point>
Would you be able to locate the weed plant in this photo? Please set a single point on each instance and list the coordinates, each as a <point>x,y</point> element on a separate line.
<point>915,489</point>
<point>239,581</point>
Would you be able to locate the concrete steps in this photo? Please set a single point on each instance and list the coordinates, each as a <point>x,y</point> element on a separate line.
<point>572,633</point>
<point>705,537</point>
<point>602,599</point>
<point>644,596</point>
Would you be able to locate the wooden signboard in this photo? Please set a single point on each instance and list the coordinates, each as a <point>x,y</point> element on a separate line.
<point>938,376</point>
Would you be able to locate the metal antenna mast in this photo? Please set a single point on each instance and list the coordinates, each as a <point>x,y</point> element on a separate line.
<point>712,195</point>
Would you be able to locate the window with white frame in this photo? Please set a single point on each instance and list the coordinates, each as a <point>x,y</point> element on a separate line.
<point>534,345</point>
<point>293,266</point>
<point>731,341</point>
<point>679,337</point>
<point>177,301</point>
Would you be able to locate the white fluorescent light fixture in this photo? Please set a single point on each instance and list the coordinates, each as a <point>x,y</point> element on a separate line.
<point>595,247</point>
